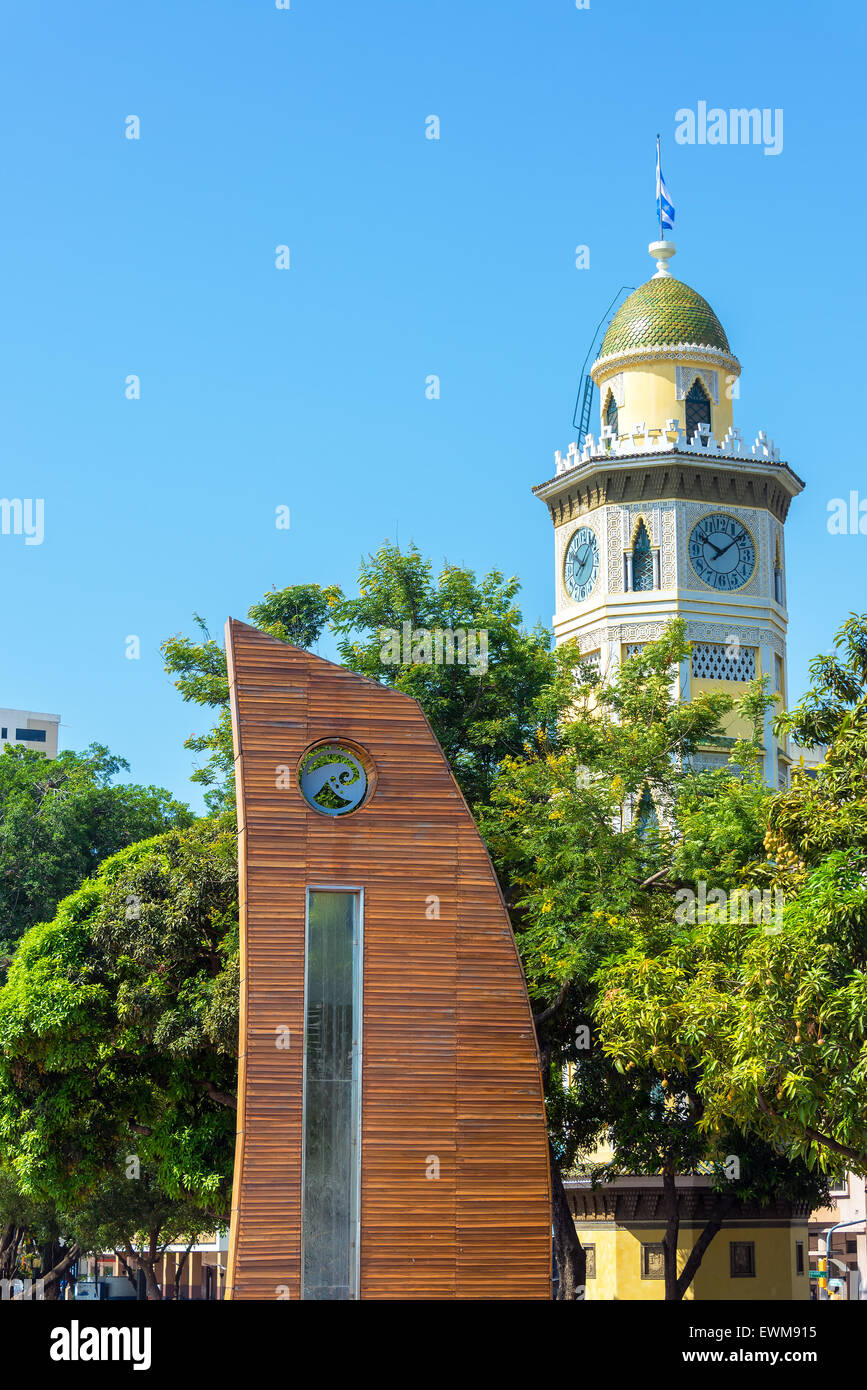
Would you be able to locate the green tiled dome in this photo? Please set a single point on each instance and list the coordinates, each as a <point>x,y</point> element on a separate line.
<point>663,311</point>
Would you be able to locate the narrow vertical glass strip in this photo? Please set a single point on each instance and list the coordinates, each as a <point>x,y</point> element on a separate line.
<point>331,1096</point>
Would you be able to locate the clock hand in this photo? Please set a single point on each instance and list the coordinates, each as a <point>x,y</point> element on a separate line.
<point>708,541</point>
<point>725,548</point>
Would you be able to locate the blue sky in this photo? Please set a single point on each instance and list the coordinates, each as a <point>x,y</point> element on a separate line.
<point>306,127</point>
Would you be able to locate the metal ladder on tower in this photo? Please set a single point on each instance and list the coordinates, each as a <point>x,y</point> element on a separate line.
<point>581,415</point>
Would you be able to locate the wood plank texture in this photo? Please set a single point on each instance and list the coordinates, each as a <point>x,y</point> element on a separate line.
<point>449,1060</point>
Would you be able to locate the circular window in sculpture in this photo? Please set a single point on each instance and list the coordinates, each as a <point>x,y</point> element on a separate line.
<point>335,778</point>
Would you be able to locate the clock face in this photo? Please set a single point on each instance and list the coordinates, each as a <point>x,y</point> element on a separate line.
<point>581,567</point>
<point>722,552</point>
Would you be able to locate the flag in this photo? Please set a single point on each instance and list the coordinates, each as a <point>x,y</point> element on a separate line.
<point>664,205</point>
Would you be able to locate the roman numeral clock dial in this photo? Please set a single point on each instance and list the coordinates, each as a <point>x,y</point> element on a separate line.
<point>581,566</point>
<point>722,551</point>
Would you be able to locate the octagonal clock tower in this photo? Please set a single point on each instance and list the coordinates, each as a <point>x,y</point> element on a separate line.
<point>668,514</point>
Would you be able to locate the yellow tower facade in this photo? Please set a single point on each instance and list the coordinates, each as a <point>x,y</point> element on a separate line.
<point>667,513</point>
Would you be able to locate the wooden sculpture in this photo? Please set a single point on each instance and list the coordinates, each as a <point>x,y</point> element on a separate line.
<point>391,1134</point>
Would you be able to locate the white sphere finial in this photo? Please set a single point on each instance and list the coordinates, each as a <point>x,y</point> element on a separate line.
<point>662,251</point>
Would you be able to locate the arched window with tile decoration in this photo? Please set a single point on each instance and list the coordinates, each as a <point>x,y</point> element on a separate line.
<point>642,561</point>
<point>611,412</point>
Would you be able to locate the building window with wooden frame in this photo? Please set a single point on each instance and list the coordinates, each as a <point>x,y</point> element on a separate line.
<point>652,1261</point>
<point>742,1256</point>
<point>590,1252</point>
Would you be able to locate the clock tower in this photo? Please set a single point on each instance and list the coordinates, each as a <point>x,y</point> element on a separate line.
<point>668,514</point>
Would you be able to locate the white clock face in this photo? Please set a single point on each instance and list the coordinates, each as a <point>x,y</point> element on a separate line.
<point>581,566</point>
<point>722,551</point>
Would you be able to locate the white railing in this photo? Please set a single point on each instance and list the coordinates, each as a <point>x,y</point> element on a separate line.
<point>670,439</point>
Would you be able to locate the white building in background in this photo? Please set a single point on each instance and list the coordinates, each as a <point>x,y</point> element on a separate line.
<point>28,730</point>
<point>848,1209</point>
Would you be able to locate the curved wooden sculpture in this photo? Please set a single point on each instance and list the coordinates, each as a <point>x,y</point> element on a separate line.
<point>391,1132</point>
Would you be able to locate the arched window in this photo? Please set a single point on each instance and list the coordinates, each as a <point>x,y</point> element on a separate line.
<point>611,412</point>
<point>697,409</point>
<point>642,560</point>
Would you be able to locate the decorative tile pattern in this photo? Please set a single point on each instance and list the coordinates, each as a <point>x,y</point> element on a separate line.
<point>685,376</point>
<point>756,522</point>
<point>748,636</point>
<point>729,662</point>
<point>663,310</point>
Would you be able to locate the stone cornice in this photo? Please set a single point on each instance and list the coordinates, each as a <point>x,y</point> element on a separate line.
<point>672,477</point>
<point>643,1204</point>
<point>603,367</point>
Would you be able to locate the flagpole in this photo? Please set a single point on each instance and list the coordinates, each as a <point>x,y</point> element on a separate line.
<point>659,187</point>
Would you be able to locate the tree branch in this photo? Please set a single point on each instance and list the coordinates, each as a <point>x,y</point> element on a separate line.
<point>815,1135</point>
<point>696,1254</point>
<point>220,1096</point>
<point>543,1017</point>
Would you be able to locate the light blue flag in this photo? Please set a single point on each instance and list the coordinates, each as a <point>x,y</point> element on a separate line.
<point>664,205</point>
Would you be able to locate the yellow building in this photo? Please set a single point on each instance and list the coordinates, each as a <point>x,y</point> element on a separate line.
<point>668,514</point>
<point>759,1252</point>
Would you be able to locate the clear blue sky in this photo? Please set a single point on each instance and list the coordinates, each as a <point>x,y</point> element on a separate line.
<point>305,127</point>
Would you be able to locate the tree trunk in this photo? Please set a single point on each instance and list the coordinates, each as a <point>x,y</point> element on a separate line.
<point>51,1279</point>
<point>571,1257</point>
<point>676,1284</point>
<point>179,1269</point>
<point>145,1260</point>
<point>672,1230</point>
<point>696,1254</point>
<point>10,1239</point>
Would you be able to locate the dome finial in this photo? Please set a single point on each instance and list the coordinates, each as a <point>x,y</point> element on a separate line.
<point>662,251</point>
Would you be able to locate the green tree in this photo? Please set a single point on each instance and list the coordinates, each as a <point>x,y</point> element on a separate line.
<point>482,710</point>
<point>129,1212</point>
<point>584,834</point>
<point>59,820</point>
<point>119,1024</point>
<point>773,1014</point>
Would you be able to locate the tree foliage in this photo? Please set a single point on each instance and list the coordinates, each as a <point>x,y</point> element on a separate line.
<point>296,614</point>
<point>59,821</point>
<point>590,829</point>
<point>118,1027</point>
<point>772,1015</point>
<point>482,711</point>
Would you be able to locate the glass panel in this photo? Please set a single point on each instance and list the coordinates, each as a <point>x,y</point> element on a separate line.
<point>328,1211</point>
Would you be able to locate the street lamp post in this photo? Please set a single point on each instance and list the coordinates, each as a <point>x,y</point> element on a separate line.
<point>859,1221</point>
